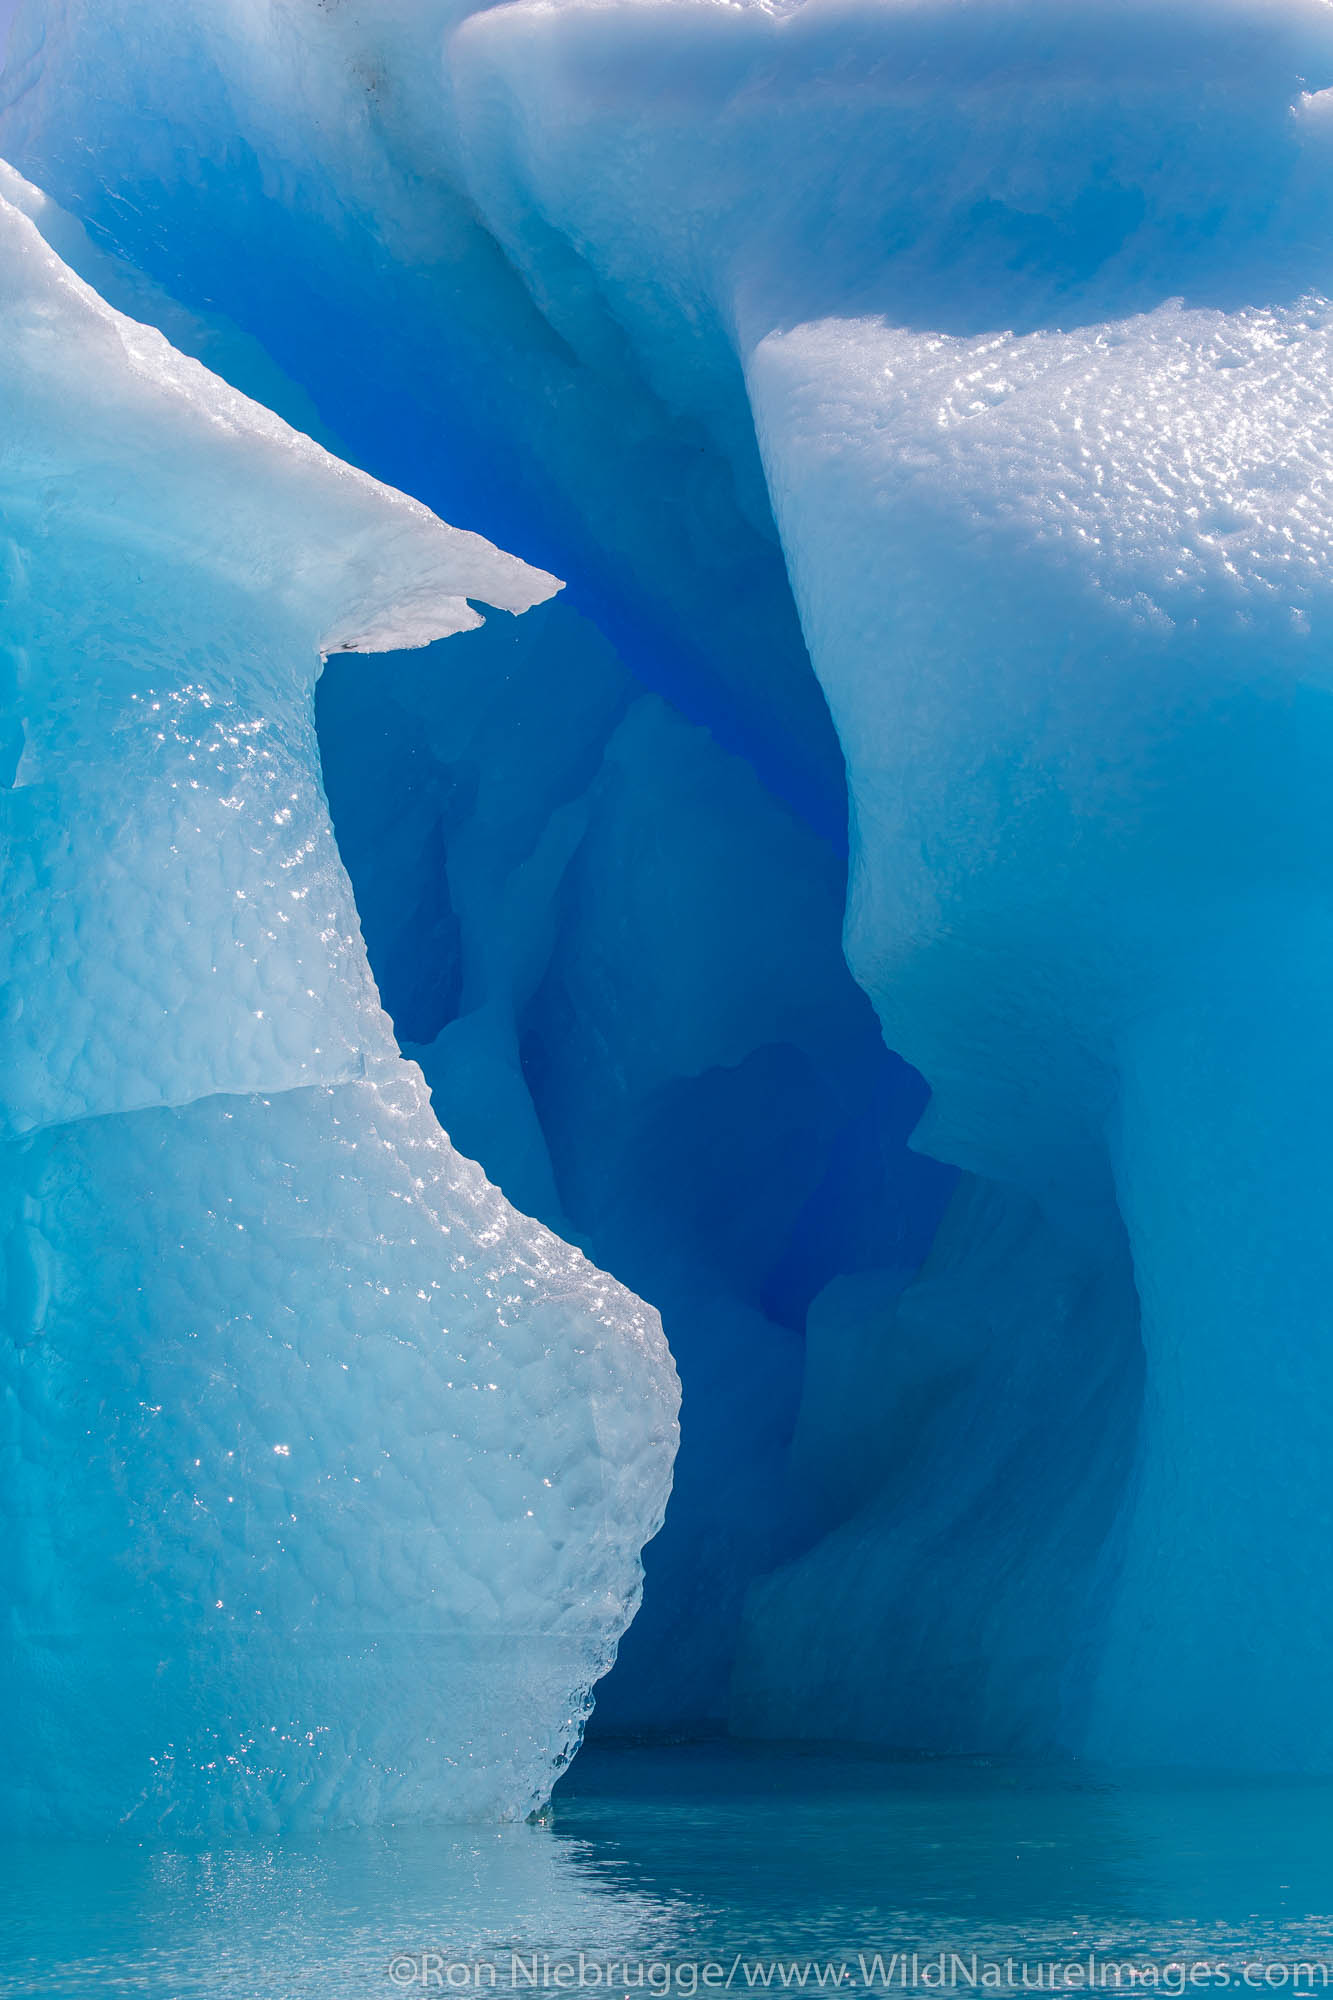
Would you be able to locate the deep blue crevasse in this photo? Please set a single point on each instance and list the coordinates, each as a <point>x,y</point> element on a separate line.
<point>616,955</point>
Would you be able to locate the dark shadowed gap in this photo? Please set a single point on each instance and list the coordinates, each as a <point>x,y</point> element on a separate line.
<point>617,957</point>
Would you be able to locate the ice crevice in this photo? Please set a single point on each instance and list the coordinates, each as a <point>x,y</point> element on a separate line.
<point>941,680</point>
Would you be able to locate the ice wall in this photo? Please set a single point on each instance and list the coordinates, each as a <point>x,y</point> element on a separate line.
<point>1014,317</point>
<point>1036,346</point>
<point>326,1472</point>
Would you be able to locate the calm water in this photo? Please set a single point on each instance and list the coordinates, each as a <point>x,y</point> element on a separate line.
<point>692,1856</point>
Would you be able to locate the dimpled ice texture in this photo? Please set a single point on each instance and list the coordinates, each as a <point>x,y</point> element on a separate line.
<point>326,1473</point>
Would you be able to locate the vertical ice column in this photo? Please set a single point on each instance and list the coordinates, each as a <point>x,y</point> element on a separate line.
<point>1069,596</point>
<point>324,1473</point>
<point>1224,1620</point>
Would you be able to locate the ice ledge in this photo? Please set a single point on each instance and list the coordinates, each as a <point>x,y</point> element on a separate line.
<point>166,454</point>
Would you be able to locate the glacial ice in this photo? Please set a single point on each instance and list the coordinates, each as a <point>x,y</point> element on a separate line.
<point>326,1472</point>
<point>981,348</point>
<point>729,1196</point>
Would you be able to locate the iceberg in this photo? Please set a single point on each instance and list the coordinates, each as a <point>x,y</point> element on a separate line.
<point>326,1472</point>
<point>729,1162</point>
<point>929,404</point>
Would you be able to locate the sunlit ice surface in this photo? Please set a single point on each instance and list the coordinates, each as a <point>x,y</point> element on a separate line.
<point>659,1863</point>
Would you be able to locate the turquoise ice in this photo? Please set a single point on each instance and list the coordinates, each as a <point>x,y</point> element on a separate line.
<point>326,1472</point>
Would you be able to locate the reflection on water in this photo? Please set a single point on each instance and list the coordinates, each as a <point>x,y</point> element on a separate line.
<point>690,1855</point>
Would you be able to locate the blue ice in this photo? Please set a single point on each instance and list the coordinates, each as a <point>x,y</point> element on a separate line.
<point>928,407</point>
<point>326,1471</point>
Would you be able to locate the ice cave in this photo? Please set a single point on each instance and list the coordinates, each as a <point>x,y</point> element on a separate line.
<point>667,744</point>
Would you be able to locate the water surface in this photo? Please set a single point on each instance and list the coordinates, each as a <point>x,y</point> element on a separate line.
<point>683,1858</point>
